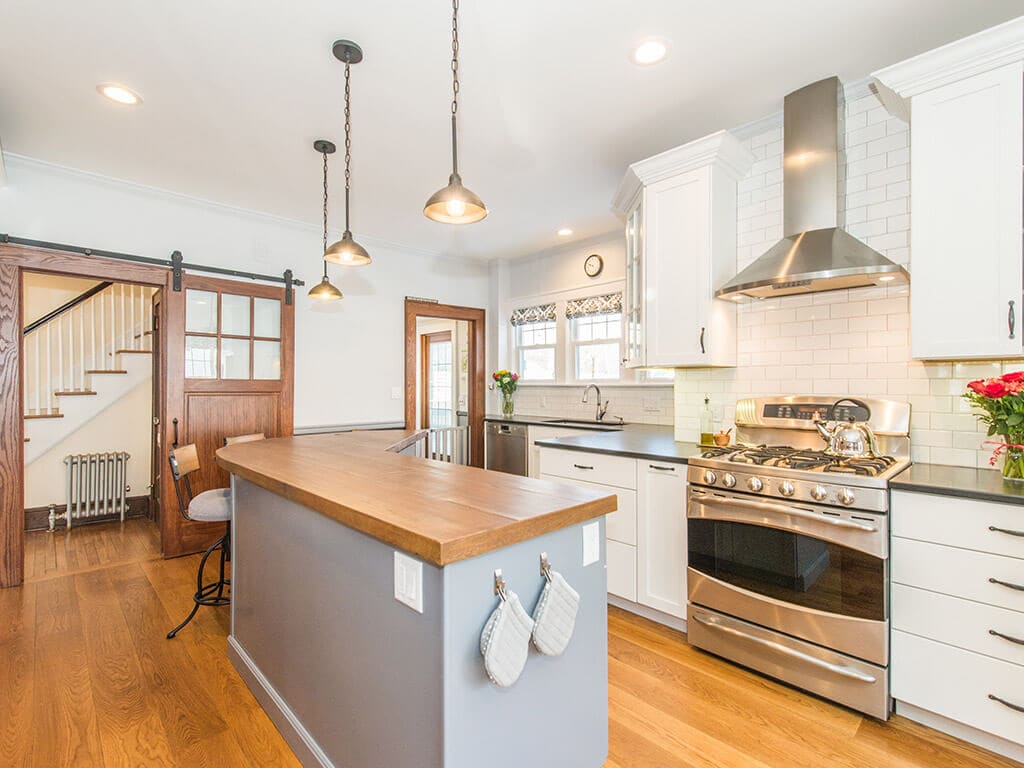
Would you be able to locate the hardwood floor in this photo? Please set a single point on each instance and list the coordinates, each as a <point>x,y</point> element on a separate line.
<point>88,679</point>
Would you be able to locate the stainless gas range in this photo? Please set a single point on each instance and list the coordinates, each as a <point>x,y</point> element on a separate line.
<point>788,548</point>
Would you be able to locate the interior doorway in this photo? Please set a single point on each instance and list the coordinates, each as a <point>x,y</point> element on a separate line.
<point>445,378</point>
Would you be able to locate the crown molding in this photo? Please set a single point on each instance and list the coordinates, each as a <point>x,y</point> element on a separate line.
<point>981,52</point>
<point>720,148</point>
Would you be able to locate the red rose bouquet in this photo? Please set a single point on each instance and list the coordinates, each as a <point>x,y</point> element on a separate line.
<point>999,404</point>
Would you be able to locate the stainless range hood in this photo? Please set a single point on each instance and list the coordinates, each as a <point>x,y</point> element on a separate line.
<point>815,254</point>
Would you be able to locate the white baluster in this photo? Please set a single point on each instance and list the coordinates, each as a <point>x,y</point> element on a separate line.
<point>92,333</point>
<point>60,354</point>
<point>124,320</point>
<point>38,387</point>
<point>48,384</point>
<point>81,347</point>
<point>103,331</point>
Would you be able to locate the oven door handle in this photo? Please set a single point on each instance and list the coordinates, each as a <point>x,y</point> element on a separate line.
<point>784,509</point>
<point>843,671</point>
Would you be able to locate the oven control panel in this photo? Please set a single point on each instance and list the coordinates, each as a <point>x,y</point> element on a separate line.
<point>807,411</point>
<point>817,490</point>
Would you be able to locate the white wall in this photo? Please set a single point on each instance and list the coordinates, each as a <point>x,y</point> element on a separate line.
<point>124,426</point>
<point>853,342</point>
<point>558,274</point>
<point>44,293</point>
<point>348,354</point>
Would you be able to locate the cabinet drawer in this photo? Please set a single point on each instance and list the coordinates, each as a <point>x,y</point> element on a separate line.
<point>959,622</point>
<point>958,572</point>
<point>957,684</point>
<point>961,523</point>
<point>622,570</point>
<point>591,467</point>
<point>619,525</point>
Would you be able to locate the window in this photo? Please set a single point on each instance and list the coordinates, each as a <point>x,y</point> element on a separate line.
<point>597,346</point>
<point>231,336</point>
<point>536,336</point>
<point>536,344</point>
<point>596,328</point>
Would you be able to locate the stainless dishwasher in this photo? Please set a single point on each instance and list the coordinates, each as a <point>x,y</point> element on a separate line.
<point>506,447</point>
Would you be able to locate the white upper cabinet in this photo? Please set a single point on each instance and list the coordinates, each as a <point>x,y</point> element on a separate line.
<point>966,134</point>
<point>680,212</point>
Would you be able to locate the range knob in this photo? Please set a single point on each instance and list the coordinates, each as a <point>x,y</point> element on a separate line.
<point>786,488</point>
<point>819,493</point>
<point>710,477</point>
<point>729,480</point>
<point>754,484</point>
<point>846,496</point>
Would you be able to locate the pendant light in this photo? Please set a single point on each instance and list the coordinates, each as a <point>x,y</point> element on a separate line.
<point>323,290</point>
<point>347,251</point>
<point>455,204</point>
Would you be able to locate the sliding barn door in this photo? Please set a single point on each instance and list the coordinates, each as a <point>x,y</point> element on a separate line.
<point>230,371</point>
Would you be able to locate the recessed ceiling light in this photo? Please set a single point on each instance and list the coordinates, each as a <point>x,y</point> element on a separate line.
<point>565,231</point>
<point>650,51</point>
<point>119,93</point>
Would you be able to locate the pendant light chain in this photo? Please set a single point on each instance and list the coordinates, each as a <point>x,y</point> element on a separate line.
<point>348,136</point>
<point>325,203</point>
<point>455,85</point>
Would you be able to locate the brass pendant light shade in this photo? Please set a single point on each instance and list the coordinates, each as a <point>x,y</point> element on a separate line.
<point>455,204</point>
<point>324,291</point>
<point>347,251</point>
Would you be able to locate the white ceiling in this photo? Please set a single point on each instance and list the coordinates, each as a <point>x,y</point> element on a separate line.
<point>552,110</point>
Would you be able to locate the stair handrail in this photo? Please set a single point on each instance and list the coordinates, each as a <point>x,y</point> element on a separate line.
<point>66,307</point>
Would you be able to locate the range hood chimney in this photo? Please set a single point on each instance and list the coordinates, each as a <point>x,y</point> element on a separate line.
<point>815,254</point>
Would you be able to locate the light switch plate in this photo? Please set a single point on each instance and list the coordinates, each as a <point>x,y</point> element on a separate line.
<point>409,581</point>
<point>591,543</point>
<point>396,393</point>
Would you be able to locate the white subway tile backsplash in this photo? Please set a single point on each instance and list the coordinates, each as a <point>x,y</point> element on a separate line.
<point>850,341</point>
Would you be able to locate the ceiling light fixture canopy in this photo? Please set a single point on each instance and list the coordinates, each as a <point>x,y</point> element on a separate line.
<point>347,251</point>
<point>455,204</point>
<point>323,290</point>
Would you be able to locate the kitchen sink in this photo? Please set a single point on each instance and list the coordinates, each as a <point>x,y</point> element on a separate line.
<point>610,426</point>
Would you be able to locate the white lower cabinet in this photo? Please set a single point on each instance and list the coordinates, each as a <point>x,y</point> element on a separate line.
<point>646,537</point>
<point>661,536</point>
<point>958,615</point>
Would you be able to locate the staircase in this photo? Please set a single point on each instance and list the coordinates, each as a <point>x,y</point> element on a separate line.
<point>81,358</point>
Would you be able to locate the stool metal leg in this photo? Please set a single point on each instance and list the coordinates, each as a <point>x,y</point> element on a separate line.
<point>213,593</point>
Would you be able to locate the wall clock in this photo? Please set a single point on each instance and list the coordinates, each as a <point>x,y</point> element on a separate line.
<point>593,265</point>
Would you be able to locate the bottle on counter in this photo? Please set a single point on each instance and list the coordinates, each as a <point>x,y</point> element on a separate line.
<point>707,423</point>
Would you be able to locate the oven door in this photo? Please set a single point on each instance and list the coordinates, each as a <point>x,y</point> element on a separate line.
<point>815,573</point>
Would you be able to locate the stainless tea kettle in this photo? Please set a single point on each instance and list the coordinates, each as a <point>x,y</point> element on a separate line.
<point>849,439</point>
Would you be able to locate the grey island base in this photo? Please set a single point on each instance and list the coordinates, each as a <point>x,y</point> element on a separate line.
<point>353,677</point>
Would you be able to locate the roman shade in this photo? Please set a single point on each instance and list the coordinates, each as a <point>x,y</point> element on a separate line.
<point>605,304</point>
<point>539,314</point>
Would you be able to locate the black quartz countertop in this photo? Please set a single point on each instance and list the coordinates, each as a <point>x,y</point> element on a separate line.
<point>639,441</point>
<point>963,482</point>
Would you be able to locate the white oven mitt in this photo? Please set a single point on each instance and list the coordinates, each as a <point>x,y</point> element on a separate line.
<point>555,617</point>
<point>505,641</point>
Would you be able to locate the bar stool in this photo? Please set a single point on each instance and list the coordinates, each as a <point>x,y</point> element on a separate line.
<point>213,506</point>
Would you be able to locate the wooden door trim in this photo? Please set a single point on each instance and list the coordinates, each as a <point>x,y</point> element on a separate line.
<point>477,319</point>
<point>14,261</point>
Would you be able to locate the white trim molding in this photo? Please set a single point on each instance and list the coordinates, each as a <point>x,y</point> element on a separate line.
<point>981,52</point>
<point>720,148</point>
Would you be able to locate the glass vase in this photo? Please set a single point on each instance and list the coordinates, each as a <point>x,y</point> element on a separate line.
<point>1013,464</point>
<point>508,404</point>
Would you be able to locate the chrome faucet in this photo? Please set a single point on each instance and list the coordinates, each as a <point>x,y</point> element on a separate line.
<point>602,409</point>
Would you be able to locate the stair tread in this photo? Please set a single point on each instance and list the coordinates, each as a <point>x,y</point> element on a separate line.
<point>100,370</point>
<point>74,392</point>
<point>44,415</point>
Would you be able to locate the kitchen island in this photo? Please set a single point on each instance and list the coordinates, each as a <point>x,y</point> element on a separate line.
<point>362,579</point>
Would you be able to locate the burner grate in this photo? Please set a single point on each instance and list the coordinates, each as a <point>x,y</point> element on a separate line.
<point>801,459</point>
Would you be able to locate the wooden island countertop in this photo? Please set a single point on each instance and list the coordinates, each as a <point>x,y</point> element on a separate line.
<point>442,513</point>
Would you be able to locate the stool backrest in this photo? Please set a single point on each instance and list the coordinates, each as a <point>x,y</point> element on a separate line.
<point>184,460</point>
<point>245,438</point>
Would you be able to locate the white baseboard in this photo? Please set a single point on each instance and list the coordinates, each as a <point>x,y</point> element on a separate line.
<point>648,613</point>
<point>960,731</point>
<point>299,739</point>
